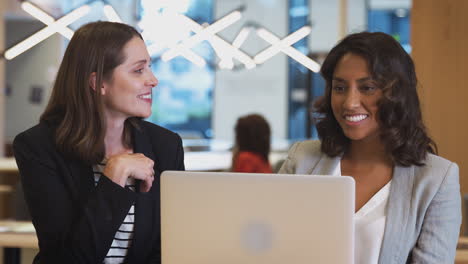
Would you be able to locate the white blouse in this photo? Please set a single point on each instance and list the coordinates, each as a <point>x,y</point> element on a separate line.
<point>369,224</point>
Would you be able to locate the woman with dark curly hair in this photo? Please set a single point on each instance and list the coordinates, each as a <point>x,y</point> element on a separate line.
<point>252,145</point>
<point>370,127</point>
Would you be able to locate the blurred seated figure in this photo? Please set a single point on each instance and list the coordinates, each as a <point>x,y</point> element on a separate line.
<point>252,146</point>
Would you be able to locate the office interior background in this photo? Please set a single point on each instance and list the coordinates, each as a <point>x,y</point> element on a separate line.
<point>204,101</point>
<point>202,93</point>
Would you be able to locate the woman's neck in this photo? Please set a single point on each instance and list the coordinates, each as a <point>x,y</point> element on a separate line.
<point>113,140</point>
<point>368,151</point>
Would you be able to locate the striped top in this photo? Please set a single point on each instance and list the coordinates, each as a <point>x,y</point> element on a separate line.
<point>124,236</point>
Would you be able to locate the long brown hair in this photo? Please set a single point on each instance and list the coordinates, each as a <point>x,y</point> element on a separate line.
<point>74,108</point>
<point>399,113</point>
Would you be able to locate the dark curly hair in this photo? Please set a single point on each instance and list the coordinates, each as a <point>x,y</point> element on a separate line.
<point>399,113</point>
<point>253,134</point>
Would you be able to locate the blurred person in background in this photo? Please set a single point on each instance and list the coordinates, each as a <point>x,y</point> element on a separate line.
<point>252,145</point>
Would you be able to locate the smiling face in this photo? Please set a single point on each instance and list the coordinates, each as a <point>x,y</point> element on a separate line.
<point>128,92</point>
<point>354,98</point>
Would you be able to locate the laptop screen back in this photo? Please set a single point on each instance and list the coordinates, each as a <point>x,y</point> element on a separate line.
<point>222,218</point>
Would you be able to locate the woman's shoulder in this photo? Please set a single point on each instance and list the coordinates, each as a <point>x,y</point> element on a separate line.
<point>35,143</point>
<point>306,147</point>
<point>247,161</point>
<point>152,128</point>
<point>435,160</point>
<point>436,171</point>
<point>438,165</point>
<point>158,134</point>
<point>249,156</point>
<point>305,152</point>
<point>40,134</point>
<point>302,157</point>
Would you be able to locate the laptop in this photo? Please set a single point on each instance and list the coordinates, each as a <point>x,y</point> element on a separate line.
<point>247,218</point>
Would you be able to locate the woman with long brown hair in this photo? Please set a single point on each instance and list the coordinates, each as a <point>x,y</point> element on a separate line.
<point>90,169</point>
<point>371,128</point>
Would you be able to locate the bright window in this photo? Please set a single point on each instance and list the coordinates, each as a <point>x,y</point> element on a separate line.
<point>182,101</point>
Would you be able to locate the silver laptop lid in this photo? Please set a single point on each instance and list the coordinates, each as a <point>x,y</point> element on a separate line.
<point>221,218</point>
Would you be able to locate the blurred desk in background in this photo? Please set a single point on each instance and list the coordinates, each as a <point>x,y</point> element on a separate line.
<point>202,144</point>
<point>8,165</point>
<point>462,251</point>
<point>219,160</point>
<point>9,178</point>
<point>15,235</point>
<point>216,155</point>
<point>194,161</point>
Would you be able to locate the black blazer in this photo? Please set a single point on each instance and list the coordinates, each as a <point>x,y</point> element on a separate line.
<point>76,221</point>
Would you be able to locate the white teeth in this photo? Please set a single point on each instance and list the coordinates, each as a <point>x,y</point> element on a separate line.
<point>146,96</point>
<point>355,118</point>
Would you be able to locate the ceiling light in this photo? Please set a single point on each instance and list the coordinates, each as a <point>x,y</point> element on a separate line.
<point>285,46</point>
<point>46,32</point>
<point>45,18</point>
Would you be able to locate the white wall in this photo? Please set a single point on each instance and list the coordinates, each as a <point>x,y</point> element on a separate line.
<point>357,16</point>
<point>261,90</point>
<point>35,67</point>
<point>38,66</point>
<point>390,4</point>
<point>325,18</point>
<point>2,78</point>
<point>12,8</point>
<point>126,9</point>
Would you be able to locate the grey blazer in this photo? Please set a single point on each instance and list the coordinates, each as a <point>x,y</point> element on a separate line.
<point>423,210</point>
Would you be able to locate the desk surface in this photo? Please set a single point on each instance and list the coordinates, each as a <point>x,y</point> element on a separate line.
<point>8,165</point>
<point>462,251</point>
<point>218,160</point>
<point>17,234</point>
<point>194,161</point>
<point>21,234</point>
